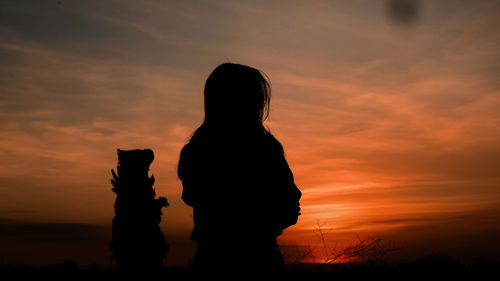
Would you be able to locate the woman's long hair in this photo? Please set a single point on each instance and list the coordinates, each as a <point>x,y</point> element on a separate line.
<point>237,99</point>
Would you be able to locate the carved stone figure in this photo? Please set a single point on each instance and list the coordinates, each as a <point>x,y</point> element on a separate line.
<point>138,244</point>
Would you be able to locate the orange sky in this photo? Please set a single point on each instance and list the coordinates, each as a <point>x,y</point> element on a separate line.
<point>391,129</point>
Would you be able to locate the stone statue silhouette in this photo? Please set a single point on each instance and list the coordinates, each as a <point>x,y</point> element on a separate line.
<point>138,244</point>
<point>235,176</point>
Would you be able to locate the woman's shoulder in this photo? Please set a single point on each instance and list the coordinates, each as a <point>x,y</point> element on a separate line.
<point>186,149</point>
<point>198,145</point>
<point>188,154</point>
<point>272,142</point>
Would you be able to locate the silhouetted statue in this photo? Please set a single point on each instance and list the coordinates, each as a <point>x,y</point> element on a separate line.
<point>138,244</point>
<point>236,178</point>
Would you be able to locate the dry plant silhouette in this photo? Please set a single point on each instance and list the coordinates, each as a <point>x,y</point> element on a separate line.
<point>368,251</point>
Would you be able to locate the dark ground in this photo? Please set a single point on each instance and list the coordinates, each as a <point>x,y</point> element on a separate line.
<point>431,268</point>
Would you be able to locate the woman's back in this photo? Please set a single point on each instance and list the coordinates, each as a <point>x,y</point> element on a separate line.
<point>242,193</point>
<point>236,183</point>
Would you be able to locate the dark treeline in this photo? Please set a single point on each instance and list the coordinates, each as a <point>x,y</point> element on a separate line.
<point>433,268</point>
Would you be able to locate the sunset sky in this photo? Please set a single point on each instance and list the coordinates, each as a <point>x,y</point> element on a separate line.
<point>390,124</point>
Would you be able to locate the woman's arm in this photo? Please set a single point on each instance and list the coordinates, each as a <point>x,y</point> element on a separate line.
<point>185,170</point>
<point>287,194</point>
<point>290,211</point>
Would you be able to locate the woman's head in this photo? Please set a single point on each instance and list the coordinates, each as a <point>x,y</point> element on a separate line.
<point>236,95</point>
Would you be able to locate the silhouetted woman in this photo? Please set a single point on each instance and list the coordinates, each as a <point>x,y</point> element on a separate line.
<point>236,178</point>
